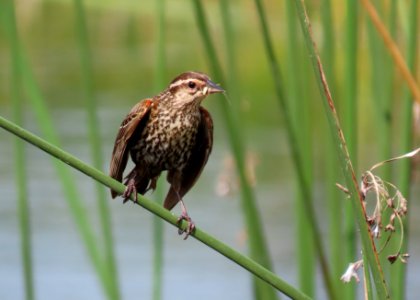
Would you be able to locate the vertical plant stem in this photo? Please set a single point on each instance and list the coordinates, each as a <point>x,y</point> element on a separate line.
<point>371,260</point>
<point>95,144</point>
<point>229,38</point>
<point>23,210</point>
<point>350,126</point>
<point>257,242</point>
<point>399,271</point>
<point>335,207</point>
<point>382,95</point>
<point>157,222</point>
<point>296,151</point>
<point>158,234</point>
<point>69,188</point>
<point>299,105</point>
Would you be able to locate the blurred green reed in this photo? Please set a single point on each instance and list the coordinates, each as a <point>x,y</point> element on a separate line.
<point>370,256</point>
<point>398,274</point>
<point>257,243</point>
<point>382,95</point>
<point>296,150</point>
<point>300,106</point>
<point>19,156</point>
<point>250,210</point>
<point>346,71</point>
<point>332,174</point>
<point>69,187</point>
<point>350,123</point>
<point>95,143</point>
<point>160,82</point>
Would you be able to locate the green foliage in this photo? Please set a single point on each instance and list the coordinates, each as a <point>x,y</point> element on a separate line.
<point>92,54</point>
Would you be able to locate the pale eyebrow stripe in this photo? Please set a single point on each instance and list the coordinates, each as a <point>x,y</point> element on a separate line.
<point>180,82</point>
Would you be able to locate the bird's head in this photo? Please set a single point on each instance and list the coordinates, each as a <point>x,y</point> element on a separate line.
<point>191,88</point>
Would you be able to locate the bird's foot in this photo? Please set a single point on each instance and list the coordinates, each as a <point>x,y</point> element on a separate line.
<point>190,228</point>
<point>131,188</point>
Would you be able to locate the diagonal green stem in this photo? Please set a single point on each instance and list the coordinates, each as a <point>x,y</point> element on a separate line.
<point>295,151</point>
<point>240,259</point>
<point>369,250</point>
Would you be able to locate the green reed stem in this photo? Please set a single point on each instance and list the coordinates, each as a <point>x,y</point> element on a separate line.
<point>157,275</point>
<point>371,260</point>
<point>69,188</point>
<point>95,144</point>
<point>406,140</point>
<point>350,127</point>
<point>382,95</point>
<point>231,55</point>
<point>335,205</point>
<point>295,151</point>
<point>240,259</point>
<point>257,242</point>
<point>21,181</point>
<point>299,106</point>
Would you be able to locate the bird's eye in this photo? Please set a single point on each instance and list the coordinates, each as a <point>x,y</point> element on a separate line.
<point>191,84</point>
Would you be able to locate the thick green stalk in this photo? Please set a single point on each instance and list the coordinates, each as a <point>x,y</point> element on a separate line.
<point>95,144</point>
<point>257,242</point>
<point>157,222</point>
<point>350,126</point>
<point>335,206</point>
<point>21,181</point>
<point>399,270</point>
<point>300,106</point>
<point>155,208</point>
<point>296,151</point>
<point>368,245</point>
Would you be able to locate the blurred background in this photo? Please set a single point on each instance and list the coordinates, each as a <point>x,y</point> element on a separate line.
<point>87,63</point>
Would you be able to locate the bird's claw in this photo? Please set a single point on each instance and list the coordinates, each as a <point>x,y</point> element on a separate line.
<point>131,188</point>
<point>190,228</point>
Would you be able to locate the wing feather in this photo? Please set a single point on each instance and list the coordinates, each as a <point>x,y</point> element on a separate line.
<point>140,112</point>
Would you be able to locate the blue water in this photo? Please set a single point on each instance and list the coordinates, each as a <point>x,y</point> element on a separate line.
<point>62,269</point>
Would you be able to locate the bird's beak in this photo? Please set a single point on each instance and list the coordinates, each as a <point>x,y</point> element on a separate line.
<point>213,88</point>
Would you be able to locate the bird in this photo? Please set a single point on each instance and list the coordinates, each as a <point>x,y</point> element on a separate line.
<point>169,132</point>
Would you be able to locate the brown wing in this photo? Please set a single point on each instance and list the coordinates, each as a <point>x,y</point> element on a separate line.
<point>128,126</point>
<point>197,161</point>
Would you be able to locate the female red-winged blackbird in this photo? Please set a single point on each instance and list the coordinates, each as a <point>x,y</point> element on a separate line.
<point>169,132</point>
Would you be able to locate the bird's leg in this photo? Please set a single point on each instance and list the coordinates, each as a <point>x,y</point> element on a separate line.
<point>131,188</point>
<point>184,216</point>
